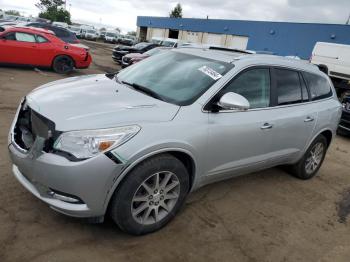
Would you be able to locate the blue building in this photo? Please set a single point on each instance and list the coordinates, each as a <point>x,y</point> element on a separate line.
<point>281,38</point>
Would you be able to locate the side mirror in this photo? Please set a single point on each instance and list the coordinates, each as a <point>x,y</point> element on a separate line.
<point>233,101</point>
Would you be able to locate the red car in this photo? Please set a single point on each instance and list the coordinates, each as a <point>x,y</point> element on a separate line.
<point>41,48</point>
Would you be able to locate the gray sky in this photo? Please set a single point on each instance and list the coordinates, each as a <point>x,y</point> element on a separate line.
<point>123,13</point>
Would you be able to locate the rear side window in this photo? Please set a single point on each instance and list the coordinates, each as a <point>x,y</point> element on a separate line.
<point>318,86</point>
<point>288,87</point>
<point>41,39</point>
<point>254,85</point>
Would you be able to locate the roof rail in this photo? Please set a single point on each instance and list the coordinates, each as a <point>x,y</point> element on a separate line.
<point>230,49</point>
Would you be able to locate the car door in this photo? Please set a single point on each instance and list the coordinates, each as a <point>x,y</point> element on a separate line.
<point>294,116</point>
<point>45,51</point>
<point>20,48</point>
<point>239,141</point>
<point>8,48</point>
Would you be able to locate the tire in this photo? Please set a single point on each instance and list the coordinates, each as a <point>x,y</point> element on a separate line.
<point>63,64</point>
<point>300,169</point>
<point>136,200</point>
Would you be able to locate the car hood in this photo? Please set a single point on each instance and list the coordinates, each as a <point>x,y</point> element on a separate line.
<point>96,101</point>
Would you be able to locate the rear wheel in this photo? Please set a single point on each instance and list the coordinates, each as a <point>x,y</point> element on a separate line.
<point>312,160</point>
<point>63,64</point>
<point>151,195</point>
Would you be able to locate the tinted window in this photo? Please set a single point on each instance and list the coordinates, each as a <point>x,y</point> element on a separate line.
<point>254,85</point>
<point>318,86</point>
<point>304,91</point>
<point>288,87</point>
<point>23,37</point>
<point>41,39</point>
<point>10,36</point>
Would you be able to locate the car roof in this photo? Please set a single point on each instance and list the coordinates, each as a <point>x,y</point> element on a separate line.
<point>232,56</point>
<point>28,29</point>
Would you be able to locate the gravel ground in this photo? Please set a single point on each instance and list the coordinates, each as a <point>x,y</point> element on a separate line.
<point>266,216</point>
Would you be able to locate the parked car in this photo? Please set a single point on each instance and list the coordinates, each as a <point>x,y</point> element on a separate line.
<point>333,59</point>
<point>133,58</point>
<point>60,24</point>
<point>111,37</point>
<point>41,48</point>
<point>91,34</point>
<point>344,125</point>
<point>75,30</point>
<point>62,33</point>
<point>167,42</point>
<point>128,40</point>
<point>137,143</point>
<point>120,50</point>
<point>102,35</point>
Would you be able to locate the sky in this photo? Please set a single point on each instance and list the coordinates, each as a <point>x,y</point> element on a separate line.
<point>123,13</point>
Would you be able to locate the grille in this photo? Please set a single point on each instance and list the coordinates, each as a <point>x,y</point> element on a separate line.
<point>345,116</point>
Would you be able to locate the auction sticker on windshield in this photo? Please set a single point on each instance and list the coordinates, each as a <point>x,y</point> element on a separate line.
<point>210,72</point>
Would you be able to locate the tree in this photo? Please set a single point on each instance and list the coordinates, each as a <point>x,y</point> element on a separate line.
<point>176,12</point>
<point>12,12</point>
<point>117,30</point>
<point>54,10</point>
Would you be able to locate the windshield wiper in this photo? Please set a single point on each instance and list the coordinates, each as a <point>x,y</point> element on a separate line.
<point>144,89</point>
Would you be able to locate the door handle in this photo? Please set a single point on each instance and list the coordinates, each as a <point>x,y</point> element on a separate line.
<point>266,126</point>
<point>309,119</point>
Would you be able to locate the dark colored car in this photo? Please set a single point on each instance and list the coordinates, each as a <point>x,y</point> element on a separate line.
<point>62,33</point>
<point>133,58</point>
<point>120,51</point>
<point>344,125</point>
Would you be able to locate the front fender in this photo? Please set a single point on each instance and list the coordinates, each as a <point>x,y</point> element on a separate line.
<point>146,153</point>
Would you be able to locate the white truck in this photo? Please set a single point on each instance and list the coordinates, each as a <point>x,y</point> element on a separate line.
<point>334,60</point>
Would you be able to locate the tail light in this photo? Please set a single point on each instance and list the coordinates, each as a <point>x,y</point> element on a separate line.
<point>86,56</point>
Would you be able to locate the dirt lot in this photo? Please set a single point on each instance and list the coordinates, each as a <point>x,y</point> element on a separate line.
<point>266,216</point>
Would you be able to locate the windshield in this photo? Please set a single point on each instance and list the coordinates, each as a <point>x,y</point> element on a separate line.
<point>75,29</point>
<point>140,46</point>
<point>168,43</point>
<point>175,77</point>
<point>91,31</point>
<point>110,34</point>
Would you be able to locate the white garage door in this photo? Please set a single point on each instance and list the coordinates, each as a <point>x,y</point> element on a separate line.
<point>158,32</point>
<point>193,37</point>
<point>214,39</point>
<point>237,42</point>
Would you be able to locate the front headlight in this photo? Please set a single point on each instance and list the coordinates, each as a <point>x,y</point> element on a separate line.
<point>88,143</point>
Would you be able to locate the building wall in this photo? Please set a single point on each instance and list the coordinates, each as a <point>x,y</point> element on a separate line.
<point>278,37</point>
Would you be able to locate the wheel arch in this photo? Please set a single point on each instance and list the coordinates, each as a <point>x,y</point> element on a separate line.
<point>181,154</point>
<point>326,132</point>
<point>57,55</point>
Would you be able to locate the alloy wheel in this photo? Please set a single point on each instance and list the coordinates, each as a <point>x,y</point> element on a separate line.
<point>314,158</point>
<point>155,198</point>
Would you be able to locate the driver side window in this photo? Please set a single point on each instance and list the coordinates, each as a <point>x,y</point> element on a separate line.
<point>254,85</point>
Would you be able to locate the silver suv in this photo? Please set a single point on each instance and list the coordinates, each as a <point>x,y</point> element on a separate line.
<point>136,143</point>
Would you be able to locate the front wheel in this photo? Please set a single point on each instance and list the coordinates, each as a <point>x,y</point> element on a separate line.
<point>312,160</point>
<point>151,195</point>
<point>63,64</point>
